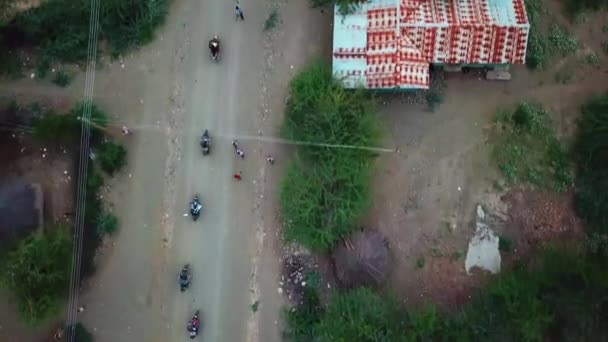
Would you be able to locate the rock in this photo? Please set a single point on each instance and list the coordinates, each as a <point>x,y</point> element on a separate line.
<point>483,247</point>
<point>280,290</point>
<point>481,215</point>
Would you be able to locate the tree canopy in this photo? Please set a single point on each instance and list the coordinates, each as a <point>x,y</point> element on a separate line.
<point>326,188</point>
<point>38,271</point>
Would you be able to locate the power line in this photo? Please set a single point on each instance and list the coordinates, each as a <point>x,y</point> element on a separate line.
<point>85,135</point>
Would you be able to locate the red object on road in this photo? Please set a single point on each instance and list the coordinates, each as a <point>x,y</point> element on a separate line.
<point>237,176</point>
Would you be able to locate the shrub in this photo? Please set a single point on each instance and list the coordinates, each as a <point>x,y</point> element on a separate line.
<point>326,188</point>
<point>323,203</point>
<point>112,157</point>
<point>272,20</point>
<point>60,28</point>
<point>527,151</point>
<point>52,127</point>
<point>106,223</point>
<point>591,148</point>
<point>37,272</point>
<point>82,334</point>
<point>301,321</point>
<point>62,79</point>
<point>360,315</point>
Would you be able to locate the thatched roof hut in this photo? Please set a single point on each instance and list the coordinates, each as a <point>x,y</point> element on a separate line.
<point>20,208</point>
<point>363,259</point>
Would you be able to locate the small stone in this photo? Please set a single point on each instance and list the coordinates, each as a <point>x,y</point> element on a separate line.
<point>280,290</point>
<point>32,75</point>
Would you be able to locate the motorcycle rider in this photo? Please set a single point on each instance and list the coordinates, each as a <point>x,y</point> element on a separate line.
<point>214,46</point>
<point>205,140</point>
<point>183,276</point>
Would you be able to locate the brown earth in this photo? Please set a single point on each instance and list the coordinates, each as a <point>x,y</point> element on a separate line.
<point>426,193</point>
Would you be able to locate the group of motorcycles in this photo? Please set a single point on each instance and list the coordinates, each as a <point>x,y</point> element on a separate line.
<point>195,211</point>
<point>184,282</point>
<point>196,207</point>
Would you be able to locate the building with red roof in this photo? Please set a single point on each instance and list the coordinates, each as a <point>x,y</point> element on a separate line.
<point>391,44</point>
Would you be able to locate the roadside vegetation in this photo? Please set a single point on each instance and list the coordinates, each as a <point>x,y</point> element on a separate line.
<point>562,296</point>
<point>559,294</point>
<point>58,30</point>
<point>37,272</point>
<point>591,151</point>
<point>325,191</point>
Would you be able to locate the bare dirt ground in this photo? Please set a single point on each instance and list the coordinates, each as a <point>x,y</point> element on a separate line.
<point>426,194</point>
<point>52,168</point>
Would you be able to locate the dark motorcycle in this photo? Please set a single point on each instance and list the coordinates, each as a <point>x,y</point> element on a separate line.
<point>195,207</point>
<point>184,278</point>
<point>214,47</point>
<point>193,325</point>
<point>206,142</point>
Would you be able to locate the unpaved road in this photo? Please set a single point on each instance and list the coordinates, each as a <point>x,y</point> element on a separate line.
<point>173,91</point>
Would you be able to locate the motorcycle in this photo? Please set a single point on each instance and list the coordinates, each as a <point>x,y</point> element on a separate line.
<point>195,207</point>
<point>206,142</point>
<point>193,325</point>
<point>184,278</point>
<point>214,46</point>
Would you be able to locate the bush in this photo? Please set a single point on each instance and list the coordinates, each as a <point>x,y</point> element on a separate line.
<point>112,157</point>
<point>106,223</point>
<point>272,20</point>
<point>60,28</point>
<point>301,321</point>
<point>591,150</point>
<point>360,315</point>
<point>65,128</point>
<point>81,334</point>
<point>326,188</point>
<point>52,127</point>
<point>62,79</point>
<point>527,151</point>
<point>37,272</point>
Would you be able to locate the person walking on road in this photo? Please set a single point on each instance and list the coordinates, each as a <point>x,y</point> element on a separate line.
<point>239,12</point>
<point>240,153</point>
<point>270,159</point>
<point>237,176</point>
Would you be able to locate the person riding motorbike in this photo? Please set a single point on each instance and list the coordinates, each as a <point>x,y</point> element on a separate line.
<point>193,325</point>
<point>195,207</point>
<point>205,142</point>
<point>214,46</point>
<point>184,278</point>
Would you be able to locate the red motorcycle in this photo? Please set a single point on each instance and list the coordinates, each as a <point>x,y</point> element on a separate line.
<point>193,325</point>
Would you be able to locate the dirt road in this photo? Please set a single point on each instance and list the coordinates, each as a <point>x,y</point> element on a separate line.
<point>172,91</point>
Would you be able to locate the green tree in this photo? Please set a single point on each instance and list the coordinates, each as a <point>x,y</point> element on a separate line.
<point>591,151</point>
<point>326,188</point>
<point>112,157</point>
<point>37,272</point>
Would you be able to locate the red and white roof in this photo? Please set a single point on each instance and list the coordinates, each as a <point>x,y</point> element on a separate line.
<point>391,43</point>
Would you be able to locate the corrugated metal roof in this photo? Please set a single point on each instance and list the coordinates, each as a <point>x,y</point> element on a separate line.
<point>390,43</point>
